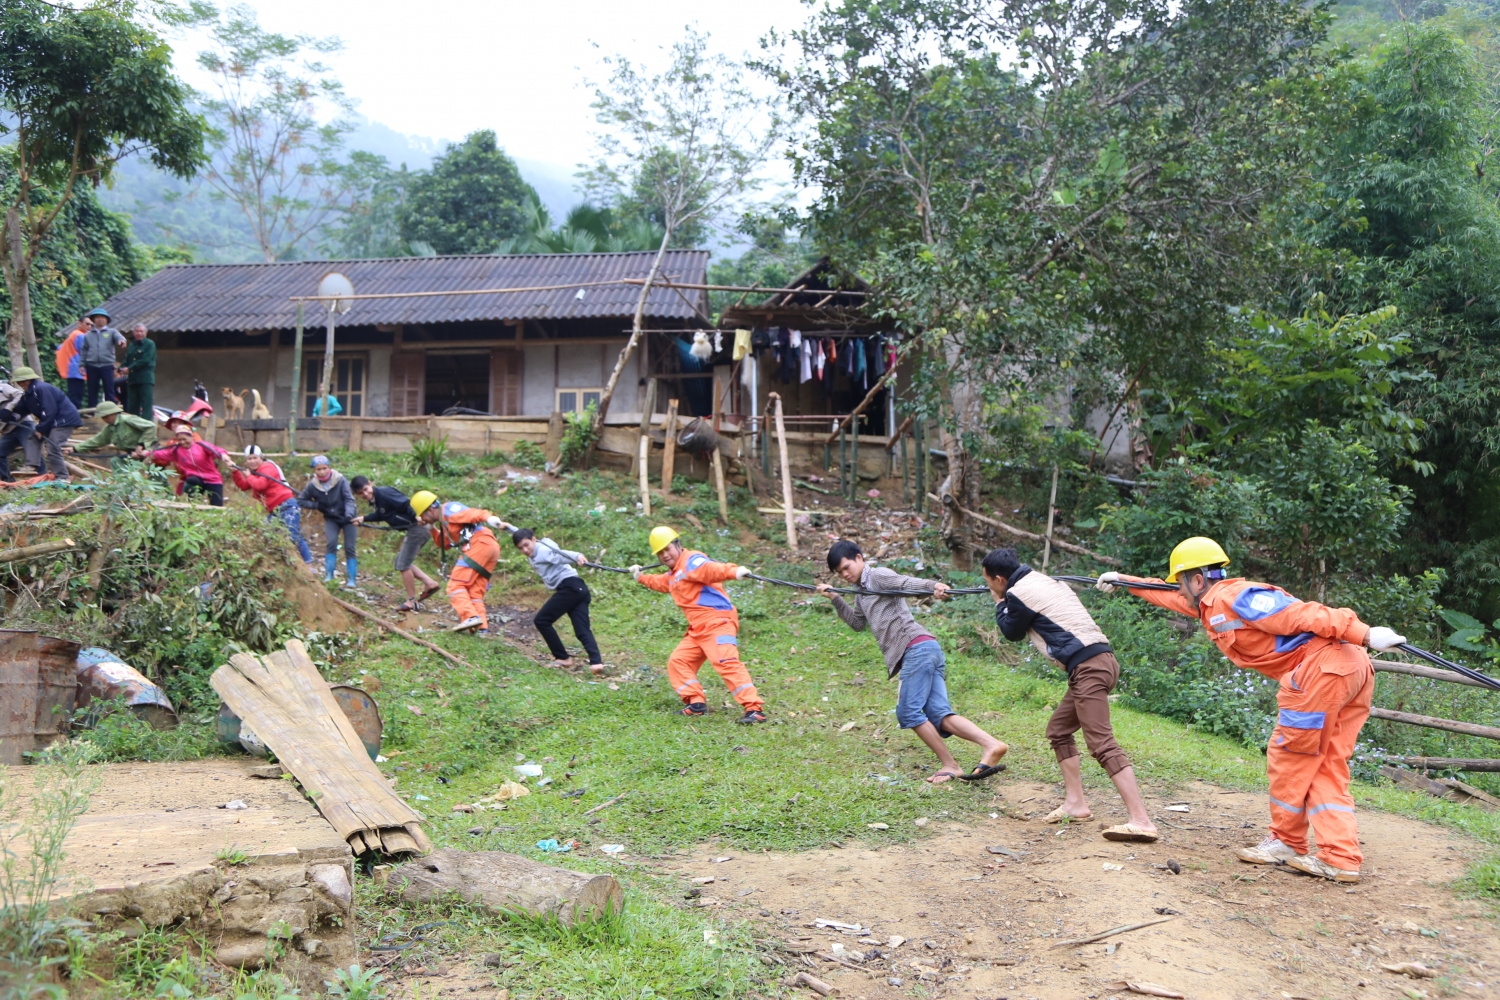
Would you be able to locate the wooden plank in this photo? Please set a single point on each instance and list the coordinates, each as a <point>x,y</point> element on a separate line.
<point>289,705</point>
<point>1418,670</point>
<point>1450,763</point>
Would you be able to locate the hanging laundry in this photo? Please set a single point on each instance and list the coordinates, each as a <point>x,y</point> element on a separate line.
<point>701,349</point>
<point>788,355</point>
<point>741,344</point>
<point>822,359</point>
<point>877,355</point>
<point>718,341</point>
<point>796,338</point>
<point>857,362</point>
<point>806,354</point>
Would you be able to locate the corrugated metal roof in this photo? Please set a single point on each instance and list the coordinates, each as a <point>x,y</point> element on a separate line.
<point>203,297</point>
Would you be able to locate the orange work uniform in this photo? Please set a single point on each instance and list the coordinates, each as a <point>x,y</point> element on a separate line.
<point>463,528</point>
<point>713,628</point>
<point>1317,656</point>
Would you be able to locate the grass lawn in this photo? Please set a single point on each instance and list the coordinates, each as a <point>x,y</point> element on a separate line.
<point>831,761</point>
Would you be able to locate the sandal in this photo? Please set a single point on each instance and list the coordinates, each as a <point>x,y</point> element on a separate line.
<point>981,771</point>
<point>1131,832</point>
<point>1058,815</point>
<point>407,606</point>
<point>428,592</point>
<point>940,772</point>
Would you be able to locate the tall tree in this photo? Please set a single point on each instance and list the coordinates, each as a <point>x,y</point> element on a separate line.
<point>1053,195</point>
<point>469,202</point>
<point>279,119</point>
<point>682,146</point>
<point>81,90</point>
<point>369,223</point>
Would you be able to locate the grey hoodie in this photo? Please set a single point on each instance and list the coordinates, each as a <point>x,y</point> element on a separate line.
<point>333,499</point>
<point>553,564</point>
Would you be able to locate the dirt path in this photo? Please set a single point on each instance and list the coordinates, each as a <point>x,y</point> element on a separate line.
<point>981,925</point>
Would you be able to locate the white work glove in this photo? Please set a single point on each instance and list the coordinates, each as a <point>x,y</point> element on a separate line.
<point>740,572</point>
<point>1107,581</point>
<point>635,571</point>
<point>494,522</point>
<point>1381,638</point>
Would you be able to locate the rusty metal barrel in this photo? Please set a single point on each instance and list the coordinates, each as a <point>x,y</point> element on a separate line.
<point>105,680</point>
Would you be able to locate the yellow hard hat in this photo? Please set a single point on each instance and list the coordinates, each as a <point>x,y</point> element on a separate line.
<point>421,500</point>
<point>1195,553</point>
<point>661,537</point>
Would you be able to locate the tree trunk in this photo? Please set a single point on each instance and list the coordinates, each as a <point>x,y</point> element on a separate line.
<point>628,349</point>
<point>20,335</point>
<point>508,883</point>
<point>963,480</point>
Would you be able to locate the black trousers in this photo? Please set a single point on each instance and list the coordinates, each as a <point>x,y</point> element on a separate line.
<point>100,376</point>
<point>571,598</point>
<point>214,491</point>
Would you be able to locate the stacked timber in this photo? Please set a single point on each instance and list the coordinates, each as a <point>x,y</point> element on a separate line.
<point>292,709</point>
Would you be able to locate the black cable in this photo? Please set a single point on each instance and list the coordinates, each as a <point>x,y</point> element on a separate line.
<point>1459,668</point>
<point>1090,581</point>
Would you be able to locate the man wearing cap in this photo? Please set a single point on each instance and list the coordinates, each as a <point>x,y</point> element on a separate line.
<point>1325,682</point>
<point>124,432</point>
<point>17,434</point>
<point>96,352</point>
<point>140,373</point>
<point>713,634</point>
<point>55,415</point>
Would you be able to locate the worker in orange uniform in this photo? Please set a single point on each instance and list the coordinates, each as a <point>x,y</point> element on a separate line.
<point>468,529</point>
<point>1317,656</point>
<point>693,579</point>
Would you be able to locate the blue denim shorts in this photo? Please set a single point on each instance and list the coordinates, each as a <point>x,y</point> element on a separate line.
<point>924,692</point>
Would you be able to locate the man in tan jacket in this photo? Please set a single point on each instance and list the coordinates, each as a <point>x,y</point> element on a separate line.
<point>1031,604</point>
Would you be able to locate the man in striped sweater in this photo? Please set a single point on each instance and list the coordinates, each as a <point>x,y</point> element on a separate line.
<point>1031,604</point>
<point>922,701</point>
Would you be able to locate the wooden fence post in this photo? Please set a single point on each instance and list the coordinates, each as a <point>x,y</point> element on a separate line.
<point>786,475</point>
<point>669,457</point>
<point>645,454</point>
<point>1051,513</point>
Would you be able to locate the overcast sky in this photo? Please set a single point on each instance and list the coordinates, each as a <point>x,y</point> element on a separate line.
<point>444,68</point>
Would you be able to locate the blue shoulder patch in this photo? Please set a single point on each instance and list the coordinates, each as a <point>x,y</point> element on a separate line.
<point>453,507</point>
<point>1255,603</point>
<point>696,559</point>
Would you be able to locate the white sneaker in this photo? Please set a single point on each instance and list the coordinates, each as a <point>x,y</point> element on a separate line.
<point>1309,864</point>
<point>471,622</point>
<point>1270,851</point>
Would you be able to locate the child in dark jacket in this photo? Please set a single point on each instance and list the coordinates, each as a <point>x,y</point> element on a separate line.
<point>328,493</point>
<point>394,508</point>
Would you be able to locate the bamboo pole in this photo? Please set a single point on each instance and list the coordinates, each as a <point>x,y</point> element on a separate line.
<point>718,463</point>
<point>786,473</point>
<point>1449,763</point>
<point>361,612</point>
<point>36,551</point>
<point>1033,536</point>
<point>646,413</point>
<point>1051,514</point>
<point>669,456</point>
<point>643,458</point>
<point>1431,722</point>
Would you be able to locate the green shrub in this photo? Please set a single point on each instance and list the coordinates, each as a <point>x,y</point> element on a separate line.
<point>428,456</point>
<point>578,436</point>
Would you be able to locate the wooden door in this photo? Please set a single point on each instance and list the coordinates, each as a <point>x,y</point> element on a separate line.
<point>408,384</point>
<point>505,382</point>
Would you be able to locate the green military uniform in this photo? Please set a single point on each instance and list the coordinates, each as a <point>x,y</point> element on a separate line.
<point>126,434</point>
<point>140,358</point>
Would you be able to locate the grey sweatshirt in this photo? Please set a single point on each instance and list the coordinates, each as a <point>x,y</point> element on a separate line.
<point>553,564</point>
<point>888,617</point>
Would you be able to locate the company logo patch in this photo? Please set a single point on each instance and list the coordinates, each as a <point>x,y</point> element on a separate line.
<point>1217,619</point>
<point>1265,602</point>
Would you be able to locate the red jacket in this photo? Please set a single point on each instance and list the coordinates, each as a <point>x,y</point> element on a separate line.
<point>693,583</point>
<point>1261,627</point>
<point>197,459</point>
<point>265,484</point>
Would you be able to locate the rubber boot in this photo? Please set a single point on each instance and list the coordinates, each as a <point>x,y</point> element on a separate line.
<point>330,560</point>
<point>351,567</point>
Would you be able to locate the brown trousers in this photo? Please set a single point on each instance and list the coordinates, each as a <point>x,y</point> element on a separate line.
<point>1086,707</point>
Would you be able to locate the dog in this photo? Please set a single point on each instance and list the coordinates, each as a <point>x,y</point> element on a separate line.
<point>259,411</point>
<point>234,404</point>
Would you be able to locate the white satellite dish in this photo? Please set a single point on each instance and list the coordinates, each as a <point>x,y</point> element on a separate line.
<point>332,290</point>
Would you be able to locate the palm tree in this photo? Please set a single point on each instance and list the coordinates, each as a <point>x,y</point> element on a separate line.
<point>587,229</point>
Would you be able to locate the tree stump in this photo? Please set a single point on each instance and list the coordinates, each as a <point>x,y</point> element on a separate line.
<point>508,883</point>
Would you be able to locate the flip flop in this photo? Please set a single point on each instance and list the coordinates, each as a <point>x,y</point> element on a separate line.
<point>981,771</point>
<point>428,592</point>
<point>1059,816</point>
<point>1131,832</point>
<point>407,606</point>
<point>943,770</point>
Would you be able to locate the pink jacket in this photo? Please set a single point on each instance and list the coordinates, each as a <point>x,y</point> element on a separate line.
<point>197,459</point>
